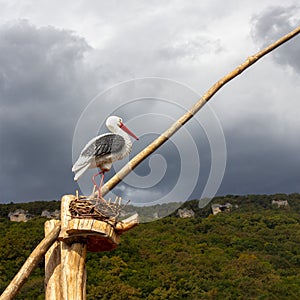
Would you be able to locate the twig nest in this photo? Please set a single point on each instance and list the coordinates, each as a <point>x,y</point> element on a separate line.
<point>97,208</point>
<point>94,222</point>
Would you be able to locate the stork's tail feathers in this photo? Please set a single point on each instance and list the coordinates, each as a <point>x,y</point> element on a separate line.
<point>79,171</point>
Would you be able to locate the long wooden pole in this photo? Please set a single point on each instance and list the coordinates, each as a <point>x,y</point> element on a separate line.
<point>72,272</point>
<point>32,261</point>
<point>134,162</point>
<point>52,265</point>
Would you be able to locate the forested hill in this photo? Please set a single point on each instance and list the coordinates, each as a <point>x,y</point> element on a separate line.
<point>240,203</point>
<point>34,208</point>
<point>253,252</point>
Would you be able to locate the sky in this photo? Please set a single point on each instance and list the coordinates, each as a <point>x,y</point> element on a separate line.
<point>66,66</point>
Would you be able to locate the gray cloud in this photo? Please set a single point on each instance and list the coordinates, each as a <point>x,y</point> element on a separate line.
<point>259,162</point>
<point>43,86</point>
<point>48,75</point>
<point>272,24</point>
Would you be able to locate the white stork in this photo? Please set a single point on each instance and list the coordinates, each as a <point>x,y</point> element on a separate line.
<point>103,150</point>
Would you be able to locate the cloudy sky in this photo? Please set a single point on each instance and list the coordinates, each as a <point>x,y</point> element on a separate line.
<point>64,65</point>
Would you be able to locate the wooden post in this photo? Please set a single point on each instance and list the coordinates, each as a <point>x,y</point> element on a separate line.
<point>52,266</point>
<point>77,236</point>
<point>73,255</point>
<point>73,273</point>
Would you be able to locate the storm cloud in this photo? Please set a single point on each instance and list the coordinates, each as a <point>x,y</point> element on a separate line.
<point>54,62</point>
<point>272,24</point>
<point>43,85</point>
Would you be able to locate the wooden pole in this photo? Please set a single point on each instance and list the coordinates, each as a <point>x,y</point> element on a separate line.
<point>134,162</point>
<point>65,261</point>
<point>52,266</point>
<point>73,255</point>
<point>73,273</point>
<point>32,261</point>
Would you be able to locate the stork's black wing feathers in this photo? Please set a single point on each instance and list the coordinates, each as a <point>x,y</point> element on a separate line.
<point>106,144</point>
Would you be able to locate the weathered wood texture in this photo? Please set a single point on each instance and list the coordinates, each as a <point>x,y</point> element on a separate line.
<point>32,261</point>
<point>65,213</point>
<point>127,224</point>
<point>65,264</point>
<point>135,161</point>
<point>52,266</point>
<point>98,235</point>
<point>73,254</point>
<point>73,272</point>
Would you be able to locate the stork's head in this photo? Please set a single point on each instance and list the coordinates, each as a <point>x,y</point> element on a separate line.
<point>114,122</point>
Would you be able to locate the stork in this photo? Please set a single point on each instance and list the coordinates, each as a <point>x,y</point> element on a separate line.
<point>103,150</point>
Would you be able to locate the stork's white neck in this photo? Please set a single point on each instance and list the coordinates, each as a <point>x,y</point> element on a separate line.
<point>119,131</point>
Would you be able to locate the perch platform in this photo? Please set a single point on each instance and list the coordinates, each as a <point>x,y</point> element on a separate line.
<point>101,234</point>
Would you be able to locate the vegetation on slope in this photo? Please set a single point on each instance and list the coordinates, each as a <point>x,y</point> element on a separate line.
<point>34,208</point>
<point>251,253</point>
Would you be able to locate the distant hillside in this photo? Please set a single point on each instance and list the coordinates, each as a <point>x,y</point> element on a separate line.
<point>34,208</point>
<point>252,252</point>
<point>241,203</point>
<point>259,202</point>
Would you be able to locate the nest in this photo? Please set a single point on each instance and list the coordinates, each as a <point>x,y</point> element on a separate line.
<point>98,209</point>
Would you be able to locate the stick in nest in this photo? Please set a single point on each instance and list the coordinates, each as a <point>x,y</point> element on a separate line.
<point>97,209</point>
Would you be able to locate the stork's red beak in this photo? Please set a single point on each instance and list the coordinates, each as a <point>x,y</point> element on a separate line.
<point>123,127</point>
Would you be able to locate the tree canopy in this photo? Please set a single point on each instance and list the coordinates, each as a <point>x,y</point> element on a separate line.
<point>250,253</point>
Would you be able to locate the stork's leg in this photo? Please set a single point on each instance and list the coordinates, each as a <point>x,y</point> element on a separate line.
<point>100,186</point>
<point>94,190</point>
<point>95,183</point>
<point>101,182</point>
